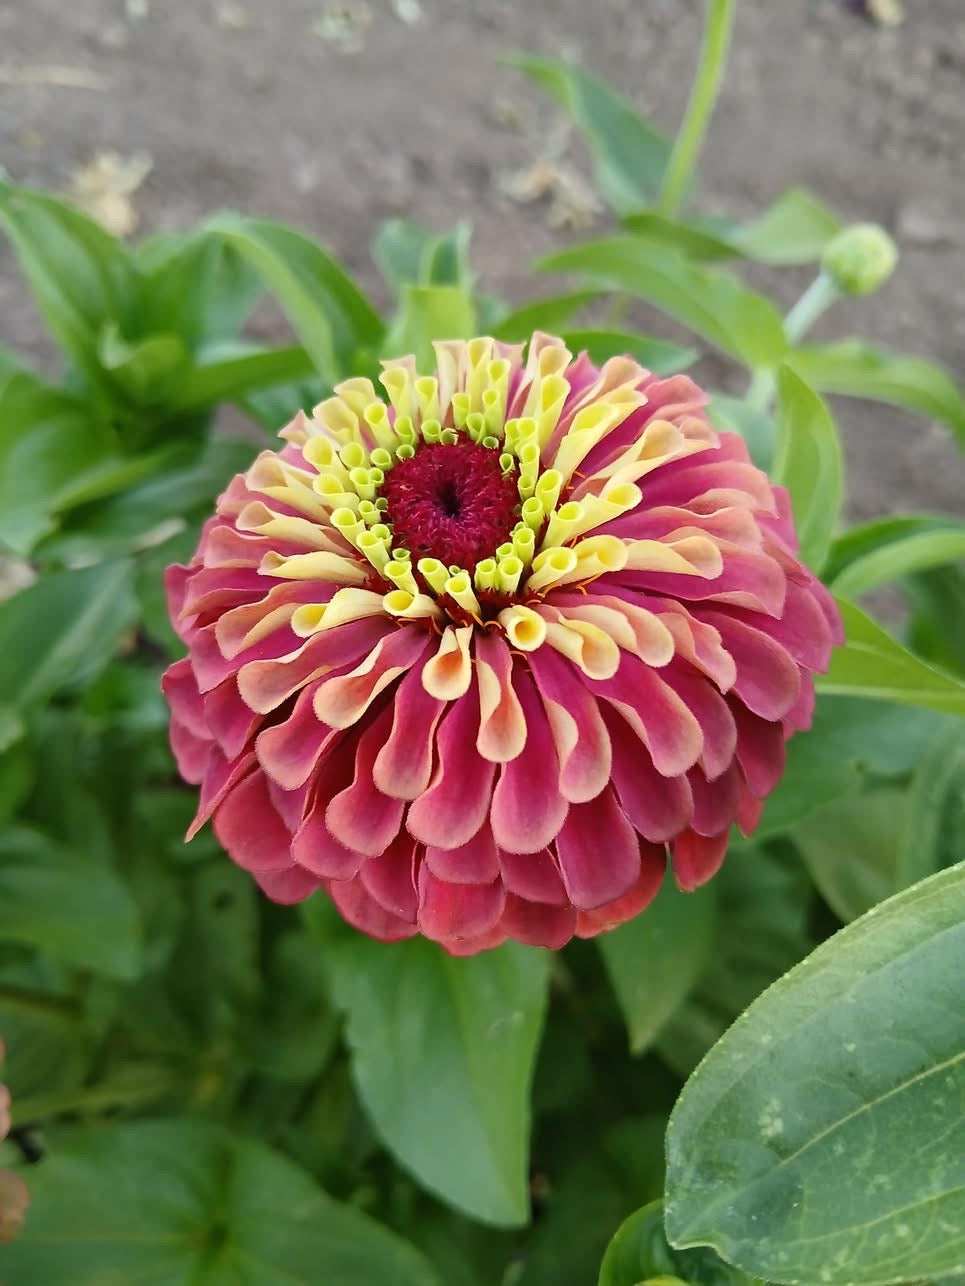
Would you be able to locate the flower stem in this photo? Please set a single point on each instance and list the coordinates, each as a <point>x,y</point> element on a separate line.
<point>94,1098</point>
<point>703,97</point>
<point>23,1001</point>
<point>817,299</point>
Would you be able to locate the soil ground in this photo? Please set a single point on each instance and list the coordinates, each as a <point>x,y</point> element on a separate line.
<point>278,108</point>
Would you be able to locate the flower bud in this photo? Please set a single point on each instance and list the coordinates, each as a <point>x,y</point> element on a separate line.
<point>860,259</point>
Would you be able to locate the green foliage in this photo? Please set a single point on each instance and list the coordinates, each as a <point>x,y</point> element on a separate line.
<point>809,463</point>
<point>833,1109</point>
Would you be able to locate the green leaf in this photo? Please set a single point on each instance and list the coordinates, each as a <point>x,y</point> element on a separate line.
<point>186,1203</point>
<point>857,369</point>
<point>51,446</point>
<point>639,1253</point>
<point>867,538</point>
<point>654,960</point>
<point>823,1138</point>
<point>756,427</point>
<point>68,903</point>
<point>901,555</point>
<point>328,311</point>
<point>427,313</point>
<point>713,304</point>
<point>550,314</point>
<point>232,372</point>
<point>61,631</point>
<point>196,286</point>
<point>654,354</point>
<point>795,229</point>
<point>937,625</point>
<point>872,665</point>
<point>143,369</point>
<point>809,463</point>
<point>410,255</point>
<point>443,1052</point>
<point>629,155</point>
<point>692,239</point>
<point>81,277</point>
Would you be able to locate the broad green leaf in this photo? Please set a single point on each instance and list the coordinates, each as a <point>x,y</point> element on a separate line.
<point>654,960</point>
<point>142,369</point>
<point>230,373</point>
<point>872,665</point>
<point>427,313</point>
<point>756,427</point>
<point>68,903</point>
<point>654,354</point>
<point>443,1052</point>
<point>823,1139</point>
<point>913,552</point>
<point>550,314</point>
<point>936,790</point>
<point>857,369</point>
<point>629,155</point>
<point>61,630</point>
<point>328,311</point>
<point>410,255</point>
<point>50,443</point>
<point>187,1203</point>
<point>795,229</point>
<point>713,304</point>
<point>809,463</point>
<point>81,277</point>
<point>639,1253</point>
<point>196,286</point>
<point>850,848</point>
<point>764,904</point>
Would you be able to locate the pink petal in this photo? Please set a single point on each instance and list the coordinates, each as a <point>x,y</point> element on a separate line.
<point>361,817</point>
<point>660,718</point>
<point>456,803</point>
<point>658,807</point>
<point>342,701</point>
<point>695,858</point>
<point>715,802</point>
<point>533,876</point>
<point>362,911</point>
<point>475,862</point>
<point>220,776</point>
<point>449,912</point>
<point>289,751</point>
<point>403,767</point>
<point>653,866</point>
<point>537,924</point>
<point>181,690</point>
<point>265,684</point>
<point>502,723</point>
<point>768,681</point>
<point>582,743</point>
<point>248,827</point>
<point>287,887</point>
<point>231,722</point>
<point>527,806</point>
<point>717,727</point>
<point>390,878</point>
<point>191,753</point>
<point>598,852</point>
<point>761,749</point>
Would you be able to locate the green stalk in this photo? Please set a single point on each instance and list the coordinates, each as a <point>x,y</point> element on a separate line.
<point>94,1099</point>
<point>700,107</point>
<point>21,1000</point>
<point>817,299</point>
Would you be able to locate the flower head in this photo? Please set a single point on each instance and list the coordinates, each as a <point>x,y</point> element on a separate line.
<point>471,656</point>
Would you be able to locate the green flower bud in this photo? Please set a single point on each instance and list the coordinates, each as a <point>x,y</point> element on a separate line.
<point>860,258</point>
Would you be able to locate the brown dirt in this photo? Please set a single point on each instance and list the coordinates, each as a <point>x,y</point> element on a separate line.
<point>244,105</point>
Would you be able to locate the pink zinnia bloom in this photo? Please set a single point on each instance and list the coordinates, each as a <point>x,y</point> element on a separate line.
<point>471,656</point>
<point>14,1196</point>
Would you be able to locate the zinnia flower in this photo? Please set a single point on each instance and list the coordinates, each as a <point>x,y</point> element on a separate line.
<point>14,1196</point>
<point>472,656</point>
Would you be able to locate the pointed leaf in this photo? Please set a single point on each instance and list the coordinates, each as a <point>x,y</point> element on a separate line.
<point>639,1253</point>
<point>443,1052</point>
<point>795,229</point>
<point>186,1203</point>
<point>654,354</point>
<point>713,304</point>
<point>909,551</point>
<point>427,313</point>
<point>822,1139</point>
<point>872,664</point>
<point>629,155</point>
<point>655,960</point>
<point>857,369</point>
<point>809,462</point>
<point>233,372</point>
<point>550,314</point>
